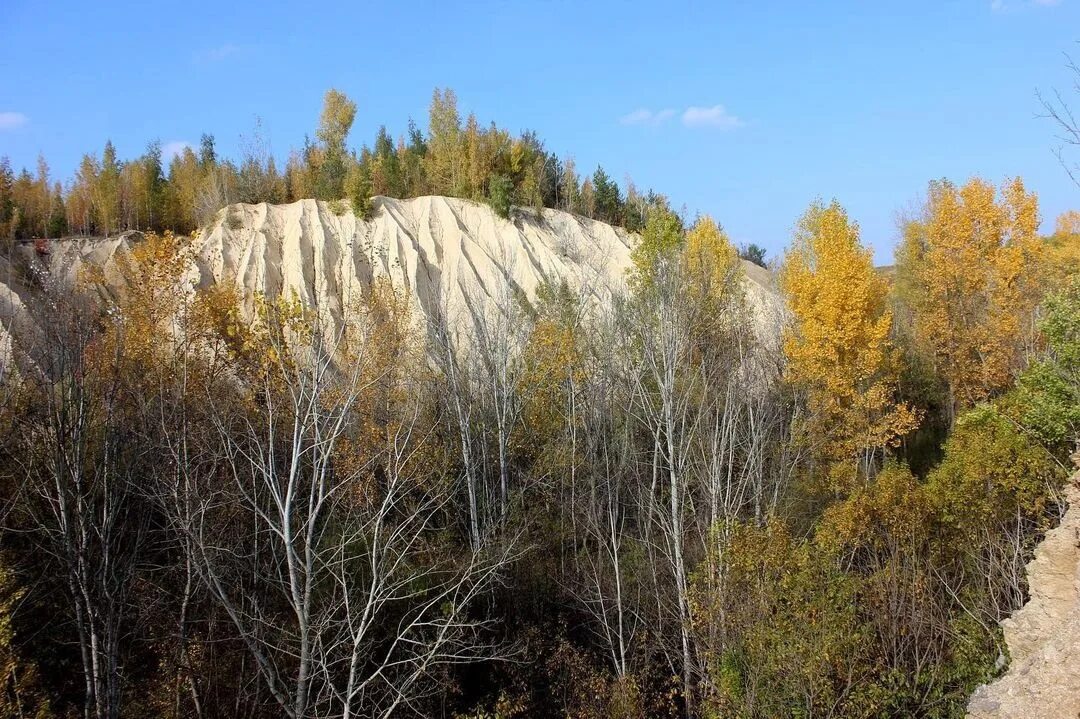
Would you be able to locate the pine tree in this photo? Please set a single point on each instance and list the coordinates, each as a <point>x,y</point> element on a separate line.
<point>26,213</point>
<point>57,213</point>
<point>358,190</point>
<point>207,152</point>
<point>608,202</point>
<point>753,253</point>
<point>386,171</point>
<point>412,155</point>
<point>7,200</point>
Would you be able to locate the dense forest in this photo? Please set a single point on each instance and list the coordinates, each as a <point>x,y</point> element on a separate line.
<point>657,506</point>
<point>456,159</point>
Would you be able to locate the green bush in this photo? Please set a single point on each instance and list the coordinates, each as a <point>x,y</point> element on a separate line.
<point>499,190</point>
<point>1049,391</point>
<point>794,645</point>
<point>358,188</point>
<point>993,474</point>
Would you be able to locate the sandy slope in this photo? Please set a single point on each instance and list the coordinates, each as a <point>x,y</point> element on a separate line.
<point>451,255</point>
<point>444,251</point>
<point>1043,636</point>
<point>448,253</point>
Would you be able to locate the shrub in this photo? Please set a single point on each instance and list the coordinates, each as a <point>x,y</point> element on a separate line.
<point>925,654</point>
<point>499,190</point>
<point>358,187</point>
<point>1049,391</point>
<point>789,642</point>
<point>993,474</point>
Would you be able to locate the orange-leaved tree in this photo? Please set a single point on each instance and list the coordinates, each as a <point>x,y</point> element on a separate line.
<point>838,348</point>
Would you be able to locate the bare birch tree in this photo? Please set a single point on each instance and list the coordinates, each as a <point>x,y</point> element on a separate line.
<point>79,465</point>
<point>332,576</point>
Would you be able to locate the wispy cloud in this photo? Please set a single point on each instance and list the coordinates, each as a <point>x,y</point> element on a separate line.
<point>216,54</point>
<point>643,116</point>
<point>172,148</point>
<point>716,117</point>
<point>12,120</point>
<point>1004,6</point>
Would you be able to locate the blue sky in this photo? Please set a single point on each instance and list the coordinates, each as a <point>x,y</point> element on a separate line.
<point>745,110</point>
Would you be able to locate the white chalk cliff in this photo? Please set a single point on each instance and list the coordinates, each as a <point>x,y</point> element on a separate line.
<point>448,254</point>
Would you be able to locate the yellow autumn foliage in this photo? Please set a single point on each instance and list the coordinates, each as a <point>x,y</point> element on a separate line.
<point>553,371</point>
<point>712,283</point>
<point>146,317</point>
<point>710,260</point>
<point>969,269</point>
<point>1063,249</point>
<point>837,346</point>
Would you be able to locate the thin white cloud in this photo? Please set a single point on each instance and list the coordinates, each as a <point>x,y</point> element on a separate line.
<point>216,54</point>
<point>643,116</point>
<point>173,148</point>
<point>1008,6</point>
<point>12,120</point>
<point>716,117</point>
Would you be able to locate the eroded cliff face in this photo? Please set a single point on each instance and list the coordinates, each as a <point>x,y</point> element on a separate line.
<point>1043,636</point>
<point>452,257</point>
<point>446,253</point>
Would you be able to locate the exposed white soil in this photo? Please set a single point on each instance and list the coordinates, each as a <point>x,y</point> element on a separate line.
<point>451,257</point>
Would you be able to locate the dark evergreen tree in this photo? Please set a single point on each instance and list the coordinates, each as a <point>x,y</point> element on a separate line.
<point>550,179</point>
<point>608,201</point>
<point>155,178</point>
<point>207,152</point>
<point>358,190</point>
<point>414,182</point>
<point>753,253</point>
<point>387,167</point>
<point>7,199</point>
<point>57,216</point>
